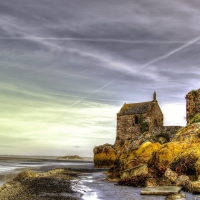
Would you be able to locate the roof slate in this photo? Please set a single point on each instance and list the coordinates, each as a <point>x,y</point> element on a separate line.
<point>136,108</point>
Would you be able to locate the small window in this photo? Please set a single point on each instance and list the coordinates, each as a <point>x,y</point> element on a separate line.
<point>155,123</point>
<point>147,127</point>
<point>136,120</point>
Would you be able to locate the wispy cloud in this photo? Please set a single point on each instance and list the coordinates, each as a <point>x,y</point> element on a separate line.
<point>160,58</point>
<point>98,40</point>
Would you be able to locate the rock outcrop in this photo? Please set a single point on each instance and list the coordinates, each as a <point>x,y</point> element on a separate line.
<point>150,154</point>
<point>105,156</point>
<point>148,162</point>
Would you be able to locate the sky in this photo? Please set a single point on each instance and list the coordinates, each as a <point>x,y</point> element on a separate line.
<point>67,67</point>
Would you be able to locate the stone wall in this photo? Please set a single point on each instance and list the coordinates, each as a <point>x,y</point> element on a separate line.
<point>165,131</point>
<point>126,128</point>
<point>155,116</point>
<point>192,104</point>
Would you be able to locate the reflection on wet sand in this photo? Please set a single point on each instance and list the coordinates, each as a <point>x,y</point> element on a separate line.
<point>86,192</point>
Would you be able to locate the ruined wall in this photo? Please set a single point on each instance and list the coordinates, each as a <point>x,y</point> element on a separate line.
<point>192,104</point>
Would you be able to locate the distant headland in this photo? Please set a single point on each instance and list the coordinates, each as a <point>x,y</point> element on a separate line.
<point>75,157</point>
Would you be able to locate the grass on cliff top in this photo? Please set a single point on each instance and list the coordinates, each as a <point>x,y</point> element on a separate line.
<point>195,119</point>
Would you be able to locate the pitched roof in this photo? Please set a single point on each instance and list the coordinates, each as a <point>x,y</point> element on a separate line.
<point>136,108</point>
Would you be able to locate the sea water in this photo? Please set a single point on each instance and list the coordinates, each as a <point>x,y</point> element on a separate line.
<point>10,166</point>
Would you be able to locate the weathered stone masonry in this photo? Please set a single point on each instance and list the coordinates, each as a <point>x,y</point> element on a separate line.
<point>192,104</point>
<point>136,118</point>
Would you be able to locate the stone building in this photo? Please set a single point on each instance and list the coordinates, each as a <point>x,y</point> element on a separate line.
<point>135,118</point>
<point>192,104</point>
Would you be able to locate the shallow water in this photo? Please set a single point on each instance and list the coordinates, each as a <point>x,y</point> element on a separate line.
<point>92,187</point>
<point>11,166</point>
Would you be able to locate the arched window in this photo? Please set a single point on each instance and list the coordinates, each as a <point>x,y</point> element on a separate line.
<point>136,120</point>
<point>155,123</point>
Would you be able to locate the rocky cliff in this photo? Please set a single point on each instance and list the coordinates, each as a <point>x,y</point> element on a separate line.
<point>152,160</point>
<point>107,155</point>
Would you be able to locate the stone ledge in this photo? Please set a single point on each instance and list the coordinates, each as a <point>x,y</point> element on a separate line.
<point>162,190</point>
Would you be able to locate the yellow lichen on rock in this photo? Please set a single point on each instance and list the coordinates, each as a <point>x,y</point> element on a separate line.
<point>146,150</point>
<point>141,155</point>
<point>104,155</point>
<point>189,134</point>
<point>104,160</point>
<point>167,154</point>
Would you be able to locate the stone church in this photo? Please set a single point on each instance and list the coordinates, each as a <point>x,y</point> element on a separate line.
<point>136,118</point>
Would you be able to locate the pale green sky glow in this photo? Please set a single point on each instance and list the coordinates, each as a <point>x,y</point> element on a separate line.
<point>44,122</point>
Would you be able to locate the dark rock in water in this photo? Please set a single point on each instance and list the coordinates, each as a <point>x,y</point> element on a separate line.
<point>161,190</point>
<point>176,197</point>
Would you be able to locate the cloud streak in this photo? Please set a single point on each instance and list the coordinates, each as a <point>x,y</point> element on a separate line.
<point>160,58</point>
<point>98,40</point>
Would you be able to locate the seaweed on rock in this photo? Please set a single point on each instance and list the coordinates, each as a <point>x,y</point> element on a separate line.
<point>185,165</point>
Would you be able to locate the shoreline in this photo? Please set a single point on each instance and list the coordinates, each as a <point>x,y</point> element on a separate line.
<point>52,184</point>
<point>75,182</point>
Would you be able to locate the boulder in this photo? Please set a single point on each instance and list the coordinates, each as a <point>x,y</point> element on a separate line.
<point>184,182</point>
<point>171,175</point>
<point>104,156</point>
<point>135,171</point>
<point>141,155</point>
<point>158,182</point>
<point>195,186</point>
<point>180,196</point>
